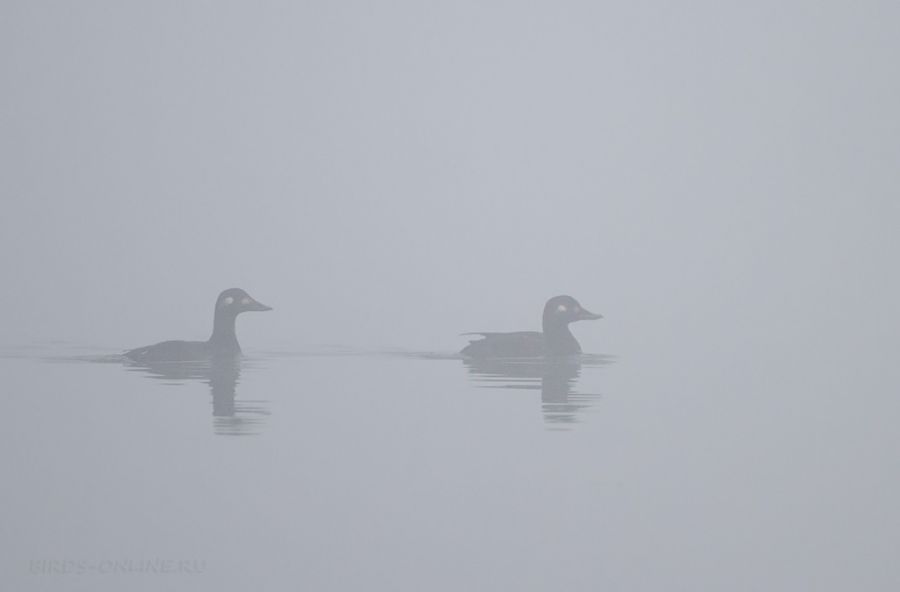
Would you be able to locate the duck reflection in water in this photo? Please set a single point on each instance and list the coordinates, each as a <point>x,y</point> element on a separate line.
<point>231,416</point>
<point>556,378</point>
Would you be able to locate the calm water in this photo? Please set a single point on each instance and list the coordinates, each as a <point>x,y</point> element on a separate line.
<point>336,470</point>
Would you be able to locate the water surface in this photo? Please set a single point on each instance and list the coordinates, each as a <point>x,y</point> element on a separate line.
<point>347,470</point>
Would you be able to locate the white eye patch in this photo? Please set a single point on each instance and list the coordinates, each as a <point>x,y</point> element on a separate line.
<point>245,300</point>
<point>228,301</point>
<point>561,308</point>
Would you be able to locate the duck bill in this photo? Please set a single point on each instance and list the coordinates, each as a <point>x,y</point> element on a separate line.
<point>586,315</point>
<point>258,306</point>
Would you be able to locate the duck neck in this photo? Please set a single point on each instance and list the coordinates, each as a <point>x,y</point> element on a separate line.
<point>224,338</point>
<point>559,339</point>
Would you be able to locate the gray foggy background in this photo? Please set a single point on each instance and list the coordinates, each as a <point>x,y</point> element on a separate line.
<point>396,174</point>
<point>719,180</point>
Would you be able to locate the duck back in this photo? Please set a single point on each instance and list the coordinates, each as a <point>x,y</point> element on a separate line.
<point>519,344</point>
<point>171,351</point>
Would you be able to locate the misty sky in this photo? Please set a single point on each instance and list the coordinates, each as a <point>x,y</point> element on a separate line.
<point>392,174</point>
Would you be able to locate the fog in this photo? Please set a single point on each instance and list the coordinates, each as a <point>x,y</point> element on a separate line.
<point>718,180</point>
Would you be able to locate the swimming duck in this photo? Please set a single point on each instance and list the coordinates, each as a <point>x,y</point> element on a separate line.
<point>222,343</point>
<point>556,340</point>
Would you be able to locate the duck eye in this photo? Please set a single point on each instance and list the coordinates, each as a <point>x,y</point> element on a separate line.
<point>561,308</point>
<point>228,301</point>
<point>245,300</point>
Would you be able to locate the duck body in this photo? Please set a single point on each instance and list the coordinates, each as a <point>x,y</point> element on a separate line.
<point>172,351</point>
<point>222,343</point>
<point>556,340</point>
<point>519,344</point>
